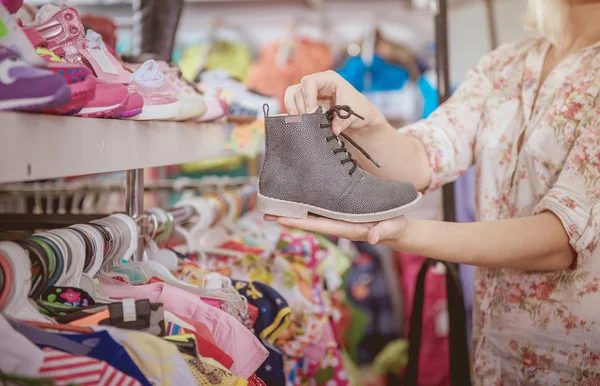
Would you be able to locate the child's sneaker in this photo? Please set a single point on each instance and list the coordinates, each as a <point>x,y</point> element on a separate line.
<point>193,105</point>
<point>150,82</point>
<point>77,76</point>
<point>109,100</point>
<point>23,87</point>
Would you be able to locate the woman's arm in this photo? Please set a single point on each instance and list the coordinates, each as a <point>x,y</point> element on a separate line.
<point>530,243</point>
<point>401,157</point>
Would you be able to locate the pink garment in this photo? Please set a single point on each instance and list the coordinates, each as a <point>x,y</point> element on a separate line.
<point>230,335</point>
<point>435,346</point>
<point>212,302</point>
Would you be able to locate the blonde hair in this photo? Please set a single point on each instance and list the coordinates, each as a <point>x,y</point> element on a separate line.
<point>546,17</point>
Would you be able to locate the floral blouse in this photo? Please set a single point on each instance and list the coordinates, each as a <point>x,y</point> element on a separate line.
<point>530,328</point>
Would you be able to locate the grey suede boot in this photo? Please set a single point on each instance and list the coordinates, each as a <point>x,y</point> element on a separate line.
<point>307,169</point>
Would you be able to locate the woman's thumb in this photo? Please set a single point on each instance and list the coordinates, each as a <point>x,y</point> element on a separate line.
<point>387,230</point>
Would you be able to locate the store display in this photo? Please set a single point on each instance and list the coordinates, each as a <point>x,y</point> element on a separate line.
<point>254,304</point>
<point>216,295</point>
<point>321,176</point>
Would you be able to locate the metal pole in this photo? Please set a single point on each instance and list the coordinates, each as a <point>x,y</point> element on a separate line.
<point>134,205</point>
<point>440,8</point>
<point>491,17</point>
<point>137,17</point>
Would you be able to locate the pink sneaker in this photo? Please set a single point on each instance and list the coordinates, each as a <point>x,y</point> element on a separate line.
<point>192,102</point>
<point>62,28</point>
<point>110,100</point>
<point>77,76</point>
<point>135,104</point>
<point>215,109</point>
<point>158,105</point>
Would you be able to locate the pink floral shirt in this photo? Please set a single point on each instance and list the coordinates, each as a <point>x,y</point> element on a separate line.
<point>539,328</point>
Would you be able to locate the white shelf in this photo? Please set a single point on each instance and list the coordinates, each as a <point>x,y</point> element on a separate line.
<point>35,146</point>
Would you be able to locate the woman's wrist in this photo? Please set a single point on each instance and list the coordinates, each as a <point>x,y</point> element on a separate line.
<point>378,124</point>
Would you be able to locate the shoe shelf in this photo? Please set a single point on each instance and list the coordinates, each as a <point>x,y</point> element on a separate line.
<point>36,146</point>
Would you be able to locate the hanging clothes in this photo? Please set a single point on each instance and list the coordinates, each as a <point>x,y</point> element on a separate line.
<point>278,67</point>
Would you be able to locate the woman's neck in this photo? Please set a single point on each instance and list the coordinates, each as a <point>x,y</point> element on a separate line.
<point>582,28</point>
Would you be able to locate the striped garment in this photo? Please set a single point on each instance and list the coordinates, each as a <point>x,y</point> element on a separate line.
<point>67,369</point>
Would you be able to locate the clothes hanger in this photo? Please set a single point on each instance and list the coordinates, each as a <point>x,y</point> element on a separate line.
<point>18,304</point>
<point>59,327</point>
<point>55,255</point>
<point>7,281</point>
<point>53,274</point>
<point>75,252</point>
<point>39,267</point>
<point>89,252</point>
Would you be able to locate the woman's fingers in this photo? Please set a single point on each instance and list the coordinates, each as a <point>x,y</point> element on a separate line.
<point>299,100</point>
<point>372,232</point>
<point>330,227</point>
<point>290,100</point>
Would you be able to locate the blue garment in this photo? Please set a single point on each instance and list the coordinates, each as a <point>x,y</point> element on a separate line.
<point>383,76</point>
<point>272,369</point>
<point>105,348</point>
<point>430,96</point>
<point>274,316</point>
<point>97,345</point>
<point>367,273</point>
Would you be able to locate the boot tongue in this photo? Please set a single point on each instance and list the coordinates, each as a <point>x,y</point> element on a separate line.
<point>319,110</point>
<point>46,12</point>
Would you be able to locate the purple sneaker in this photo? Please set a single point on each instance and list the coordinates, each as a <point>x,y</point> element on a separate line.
<point>24,87</point>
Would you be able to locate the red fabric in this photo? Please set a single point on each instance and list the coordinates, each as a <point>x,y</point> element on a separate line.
<point>255,381</point>
<point>206,343</point>
<point>253,313</point>
<point>238,247</point>
<point>435,349</point>
<point>67,369</point>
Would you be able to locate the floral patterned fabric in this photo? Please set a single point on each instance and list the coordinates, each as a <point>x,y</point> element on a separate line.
<point>69,296</point>
<point>536,148</point>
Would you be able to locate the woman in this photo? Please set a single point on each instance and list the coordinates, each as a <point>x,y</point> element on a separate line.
<point>528,117</point>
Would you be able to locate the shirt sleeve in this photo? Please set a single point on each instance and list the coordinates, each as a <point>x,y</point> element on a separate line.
<point>449,133</point>
<point>574,197</point>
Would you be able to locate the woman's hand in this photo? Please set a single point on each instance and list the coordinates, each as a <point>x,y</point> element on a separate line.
<point>538,243</point>
<point>327,89</point>
<point>389,231</point>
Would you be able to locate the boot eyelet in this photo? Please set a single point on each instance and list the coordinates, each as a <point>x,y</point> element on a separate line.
<point>74,30</point>
<point>69,16</point>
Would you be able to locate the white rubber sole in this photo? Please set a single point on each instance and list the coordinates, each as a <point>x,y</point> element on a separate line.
<point>158,113</point>
<point>13,104</point>
<point>282,208</point>
<point>191,108</point>
<point>96,110</point>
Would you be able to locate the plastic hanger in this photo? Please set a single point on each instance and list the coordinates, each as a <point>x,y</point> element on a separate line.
<point>59,250</point>
<point>7,282</point>
<point>53,270</point>
<point>39,263</point>
<point>19,305</point>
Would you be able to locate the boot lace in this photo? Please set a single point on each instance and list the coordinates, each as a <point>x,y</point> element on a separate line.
<point>345,112</point>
